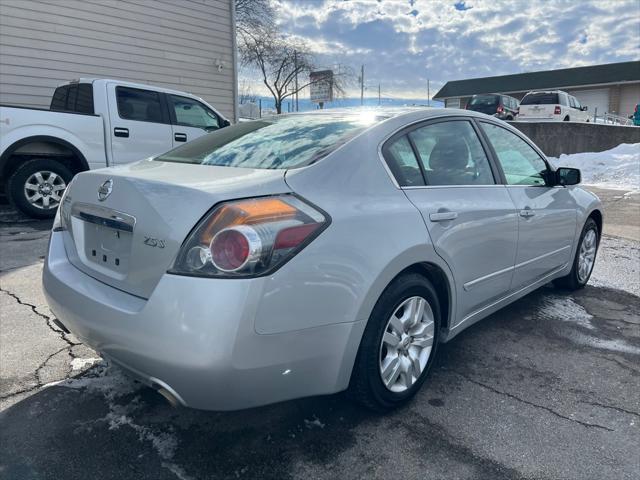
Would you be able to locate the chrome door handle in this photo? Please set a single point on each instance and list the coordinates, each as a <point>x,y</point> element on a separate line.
<point>527,213</point>
<point>443,216</point>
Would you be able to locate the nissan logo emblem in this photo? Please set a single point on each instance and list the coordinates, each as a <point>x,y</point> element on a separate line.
<point>105,190</point>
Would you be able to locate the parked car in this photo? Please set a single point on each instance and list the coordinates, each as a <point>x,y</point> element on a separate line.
<point>503,107</point>
<point>311,253</point>
<point>91,124</point>
<point>554,106</point>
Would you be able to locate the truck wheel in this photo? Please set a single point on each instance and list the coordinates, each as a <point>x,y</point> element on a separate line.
<point>36,187</point>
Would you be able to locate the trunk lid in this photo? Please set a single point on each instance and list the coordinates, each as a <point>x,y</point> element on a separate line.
<point>130,239</point>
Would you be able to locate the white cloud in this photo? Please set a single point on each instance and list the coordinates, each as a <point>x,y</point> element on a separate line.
<point>402,43</point>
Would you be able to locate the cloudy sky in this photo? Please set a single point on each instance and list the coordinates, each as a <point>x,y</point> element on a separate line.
<point>402,43</point>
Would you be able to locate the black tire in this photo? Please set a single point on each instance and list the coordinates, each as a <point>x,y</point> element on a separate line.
<point>509,118</point>
<point>566,119</point>
<point>16,185</point>
<point>366,386</point>
<point>572,281</point>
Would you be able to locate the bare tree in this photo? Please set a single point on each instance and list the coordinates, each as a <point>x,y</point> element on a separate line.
<point>246,93</point>
<point>253,15</point>
<point>280,61</point>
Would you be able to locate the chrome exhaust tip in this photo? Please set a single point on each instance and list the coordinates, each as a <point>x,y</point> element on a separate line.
<point>173,401</point>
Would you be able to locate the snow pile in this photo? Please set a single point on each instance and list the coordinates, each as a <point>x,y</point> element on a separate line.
<point>618,168</point>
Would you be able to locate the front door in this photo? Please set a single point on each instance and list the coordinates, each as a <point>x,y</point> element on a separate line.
<point>140,125</point>
<point>191,119</point>
<point>470,218</point>
<point>546,214</point>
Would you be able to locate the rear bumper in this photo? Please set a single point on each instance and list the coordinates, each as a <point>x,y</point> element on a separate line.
<point>196,338</point>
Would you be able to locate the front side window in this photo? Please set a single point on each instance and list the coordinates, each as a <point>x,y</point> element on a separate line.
<point>403,162</point>
<point>451,154</point>
<point>281,142</point>
<point>577,103</point>
<point>140,105</point>
<point>520,162</point>
<point>572,102</point>
<point>192,113</point>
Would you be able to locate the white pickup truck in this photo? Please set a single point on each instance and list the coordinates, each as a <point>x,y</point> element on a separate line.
<point>91,123</point>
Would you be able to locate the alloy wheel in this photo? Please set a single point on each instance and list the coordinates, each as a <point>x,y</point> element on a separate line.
<point>587,255</point>
<point>44,189</point>
<point>406,344</point>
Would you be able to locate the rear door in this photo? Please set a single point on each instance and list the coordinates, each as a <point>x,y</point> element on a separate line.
<point>191,119</point>
<point>446,173</point>
<point>546,214</point>
<point>140,125</point>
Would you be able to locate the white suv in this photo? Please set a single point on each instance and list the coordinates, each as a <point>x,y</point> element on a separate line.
<point>553,106</point>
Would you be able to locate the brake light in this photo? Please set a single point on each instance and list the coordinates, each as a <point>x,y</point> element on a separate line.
<point>249,237</point>
<point>557,110</point>
<point>500,109</point>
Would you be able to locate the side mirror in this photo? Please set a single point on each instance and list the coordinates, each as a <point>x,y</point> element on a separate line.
<point>225,123</point>
<point>584,109</point>
<point>568,176</point>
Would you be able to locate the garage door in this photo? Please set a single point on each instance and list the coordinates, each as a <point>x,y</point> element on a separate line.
<point>629,97</point>
<point>594,98</point>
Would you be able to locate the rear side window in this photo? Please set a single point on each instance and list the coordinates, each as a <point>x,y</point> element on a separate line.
<point>520,162</point>
<point>76,98</point>
<point>540,98</point>
<point>140,105</point>
<point>403,162</point>
<point>451,154</point>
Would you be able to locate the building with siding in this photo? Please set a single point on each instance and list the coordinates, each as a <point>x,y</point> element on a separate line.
<point>611,88</point>
<point>187,45</point>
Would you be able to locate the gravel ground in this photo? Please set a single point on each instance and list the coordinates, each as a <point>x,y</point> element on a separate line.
<point>549,387</point>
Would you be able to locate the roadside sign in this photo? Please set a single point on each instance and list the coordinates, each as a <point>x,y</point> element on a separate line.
<point>321,86</point>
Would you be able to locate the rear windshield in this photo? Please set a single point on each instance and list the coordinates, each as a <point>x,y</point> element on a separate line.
<point>487,100</point>
<point>540,99</point>
<point>273,143</point>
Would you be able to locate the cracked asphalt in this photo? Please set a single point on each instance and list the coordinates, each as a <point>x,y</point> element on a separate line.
<point>548,388</point>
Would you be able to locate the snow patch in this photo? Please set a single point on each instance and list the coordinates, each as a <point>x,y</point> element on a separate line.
<point>618,168</point>
<point>315,423</point>
<point>80,363</point>
<point>566,309</point>
<point>617,345</point>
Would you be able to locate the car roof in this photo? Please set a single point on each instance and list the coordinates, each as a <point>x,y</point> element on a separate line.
<point>413,113</point>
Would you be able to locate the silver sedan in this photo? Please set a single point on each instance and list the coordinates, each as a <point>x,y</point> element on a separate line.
<point>313,253</point>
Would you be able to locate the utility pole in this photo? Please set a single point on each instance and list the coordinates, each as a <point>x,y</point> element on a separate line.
<point>362,85</point>
<point>295,65</point>
<point>378,94</point>
<point>428,94</point>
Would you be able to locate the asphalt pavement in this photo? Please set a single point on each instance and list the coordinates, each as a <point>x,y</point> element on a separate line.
<point>547,388</point>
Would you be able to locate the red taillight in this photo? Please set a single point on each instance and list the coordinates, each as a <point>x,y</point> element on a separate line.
<point>249,237</point>
<point>557,110</point>
<point>229,250</point>
<point>635,110</point>
<point>500,109</point>
<point>293,236</point>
